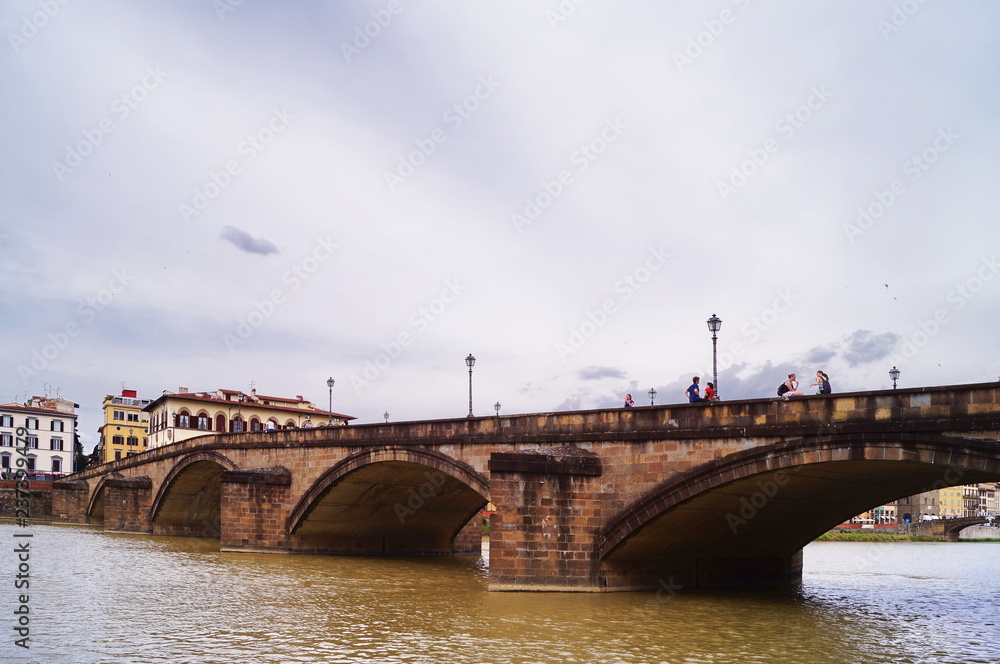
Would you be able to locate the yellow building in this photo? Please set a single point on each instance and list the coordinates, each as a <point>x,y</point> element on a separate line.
<point>126,428</point>
<point>180,415</point>
<point>951,503</point>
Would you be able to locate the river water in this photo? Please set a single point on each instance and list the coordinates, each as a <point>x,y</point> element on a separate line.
<point>106,598</point>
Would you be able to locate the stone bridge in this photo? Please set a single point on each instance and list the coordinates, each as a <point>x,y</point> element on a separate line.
<point>945,528</point>
<point>680,496</point>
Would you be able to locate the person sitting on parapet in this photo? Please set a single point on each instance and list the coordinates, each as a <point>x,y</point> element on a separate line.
<point>822,383</point>
<point>790,388</point>
<point>694,392</point>
<point>709,391</point>
<point>269,427</point>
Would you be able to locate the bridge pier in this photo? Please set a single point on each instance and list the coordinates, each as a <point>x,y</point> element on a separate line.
<point>253,508</point>
<point>548,512</point>
<point>470,538</point>
<point>126,507</point>
<point>69,501</point>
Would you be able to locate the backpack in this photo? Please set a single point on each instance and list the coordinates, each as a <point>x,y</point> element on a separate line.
<point>782,389</point>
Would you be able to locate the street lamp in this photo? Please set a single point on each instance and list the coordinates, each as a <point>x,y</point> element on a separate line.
<point>652,395</point>
<point>894,374</point>
<point>496,407</point>
<point>715,324</point>
<point>386,416</point>
<point>470,362</point>
<point>329,384</point>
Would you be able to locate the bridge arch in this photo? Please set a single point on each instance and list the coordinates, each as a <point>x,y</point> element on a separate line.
<point>188,501</point>
<point>95,506</point>
<point>389,499</point>
<point>768,502</point>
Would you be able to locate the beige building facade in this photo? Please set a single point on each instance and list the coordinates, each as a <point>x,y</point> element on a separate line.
<point>177,416</point>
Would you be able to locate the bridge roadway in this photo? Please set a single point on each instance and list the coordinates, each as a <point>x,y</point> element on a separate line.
<point>677,496</point>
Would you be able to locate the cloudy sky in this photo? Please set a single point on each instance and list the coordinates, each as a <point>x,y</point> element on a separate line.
<point>235,194</point>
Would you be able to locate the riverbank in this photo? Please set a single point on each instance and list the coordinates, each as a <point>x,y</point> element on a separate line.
<point>887,537</point>
<point>875,537</point>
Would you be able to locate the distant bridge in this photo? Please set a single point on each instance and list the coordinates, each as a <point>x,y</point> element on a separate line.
<point>946,528</point>
<point>695,495</point>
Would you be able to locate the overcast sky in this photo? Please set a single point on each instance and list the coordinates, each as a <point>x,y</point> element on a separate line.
<point>226,195</point>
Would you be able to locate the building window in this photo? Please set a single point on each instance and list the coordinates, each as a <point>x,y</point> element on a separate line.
<point>117,440</point>
<point>202,423</point>
<point>4,461</point>
<point>57,425</point>
<point>118,454</point>
<point>255,424</point>
<point>6,439</point>
<point>145,441</point>
<point>57,444</point>
<point>133,417</point>
<point>237,425</point>
<point>32,441</point>
<point>56,464</point>
<point>7,421</point>
<point>183,421</point>
<point>133,441</point>
<point>31,463</point>
<point>118,415</point>
<point>31,423</point>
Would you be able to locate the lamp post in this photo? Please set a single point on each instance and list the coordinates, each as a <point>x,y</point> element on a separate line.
<point>386,416</point>
<point>496,407</point>
<point>652,395</point>
<point>894,374</point>
<point>470,362</point>
<point>329,384</point>
<point>715,324</point>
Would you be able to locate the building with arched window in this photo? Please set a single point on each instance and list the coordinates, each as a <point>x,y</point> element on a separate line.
<point>38,436</point>
<point>177,416</point>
